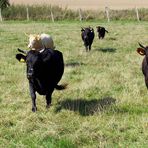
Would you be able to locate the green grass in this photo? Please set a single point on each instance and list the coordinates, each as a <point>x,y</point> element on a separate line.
<point>105,104</point>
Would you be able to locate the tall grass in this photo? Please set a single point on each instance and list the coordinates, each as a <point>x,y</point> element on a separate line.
<point>43,12</point>
<point>105,104</point>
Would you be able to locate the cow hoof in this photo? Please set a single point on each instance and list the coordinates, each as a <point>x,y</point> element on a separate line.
<point>34,109</point>
<point>48,106</point>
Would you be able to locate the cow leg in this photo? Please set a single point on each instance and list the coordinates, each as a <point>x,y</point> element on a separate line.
<point>48,98</point>
<point>86,47</point>
<point>89,47</point>
<point>33,97</point>
<point>146,81</point>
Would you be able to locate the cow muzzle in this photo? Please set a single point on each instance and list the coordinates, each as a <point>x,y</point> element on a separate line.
<point>30,73</point>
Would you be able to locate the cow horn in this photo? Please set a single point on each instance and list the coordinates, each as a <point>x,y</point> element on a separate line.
<point>141,51</point>
<point>90,28</point>
<point>38,37</point>
<point>141,45</point>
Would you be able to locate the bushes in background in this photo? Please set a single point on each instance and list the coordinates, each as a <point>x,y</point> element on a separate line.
<point>46,12</point>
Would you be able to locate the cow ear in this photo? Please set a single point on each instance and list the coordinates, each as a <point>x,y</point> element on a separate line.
<point>21,58</point>
<point>141,51</point>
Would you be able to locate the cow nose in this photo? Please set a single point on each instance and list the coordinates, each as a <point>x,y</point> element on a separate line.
<point>29,76</point>
<point>30,73</point>
<point>85,37</point>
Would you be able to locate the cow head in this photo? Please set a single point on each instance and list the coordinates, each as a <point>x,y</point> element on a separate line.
<point>98,28</point>
<point>35,42</point>
<point>86,32</point>
<point>33,61</point>
<point>142,50</point>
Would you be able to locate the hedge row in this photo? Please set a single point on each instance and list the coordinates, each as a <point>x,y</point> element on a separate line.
<point>45,12</point>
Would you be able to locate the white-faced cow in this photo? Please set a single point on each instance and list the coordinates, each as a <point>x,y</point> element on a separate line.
<point>87,35</point>
<point>44,71</point>
<point>144,52</point>
<point>101,32</point>
<point>39,42</point>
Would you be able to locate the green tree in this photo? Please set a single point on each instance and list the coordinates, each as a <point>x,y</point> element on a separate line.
<point>4,4</point>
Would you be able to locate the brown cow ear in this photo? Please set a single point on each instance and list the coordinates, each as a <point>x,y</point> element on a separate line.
<point>141,51</point>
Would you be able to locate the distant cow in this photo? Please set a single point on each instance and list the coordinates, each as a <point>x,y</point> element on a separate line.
<point>101,32</point>
<point>44,71</point>
<point>144,52</point>
<point>87,35</point>
<point>39,42</point>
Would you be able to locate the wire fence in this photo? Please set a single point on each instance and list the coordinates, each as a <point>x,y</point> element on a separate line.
<point>56,13</point>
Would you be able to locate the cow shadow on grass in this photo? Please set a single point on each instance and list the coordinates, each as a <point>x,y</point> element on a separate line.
<point>107,49</point>
<point>85,107</point>
<point>74,64</point>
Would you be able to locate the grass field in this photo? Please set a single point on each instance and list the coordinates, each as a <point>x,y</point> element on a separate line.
<point>105,104</point>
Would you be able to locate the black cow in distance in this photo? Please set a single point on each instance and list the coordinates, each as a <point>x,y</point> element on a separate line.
<point>101,32</point>
<point>87,35</point>
<point>44,71</point>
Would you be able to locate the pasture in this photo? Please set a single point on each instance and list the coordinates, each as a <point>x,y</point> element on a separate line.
<point>105,104</point>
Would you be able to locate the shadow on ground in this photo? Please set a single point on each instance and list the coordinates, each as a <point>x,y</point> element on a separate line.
<point>107,49</point>
<point>85,107</point>
<point>74,64</point>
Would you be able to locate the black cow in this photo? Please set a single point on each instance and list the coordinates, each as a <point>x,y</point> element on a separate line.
<point>144,52</point>
<point>87,35</point>
<point>44,71</point>
<point>101,32</point>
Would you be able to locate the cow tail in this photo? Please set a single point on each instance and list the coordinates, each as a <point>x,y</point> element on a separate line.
<point>61,87</point>
<point>106,31</point>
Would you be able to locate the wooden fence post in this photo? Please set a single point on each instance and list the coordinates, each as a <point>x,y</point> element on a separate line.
<point>52,17</point>
<point>1,19</point>
<point>27,14</point>
<point>137,14</point>
<point>80,15</point>
<point>107,13</point>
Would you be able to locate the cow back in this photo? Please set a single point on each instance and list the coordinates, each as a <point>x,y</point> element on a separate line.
<point>53,65</point>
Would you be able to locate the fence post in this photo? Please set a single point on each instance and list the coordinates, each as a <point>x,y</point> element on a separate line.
<point>107,13</point>
<point>80,15</point>
<point>1,19</point>
<point>52,17</point>
<point>137,14</point>
<point>27,14</point>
